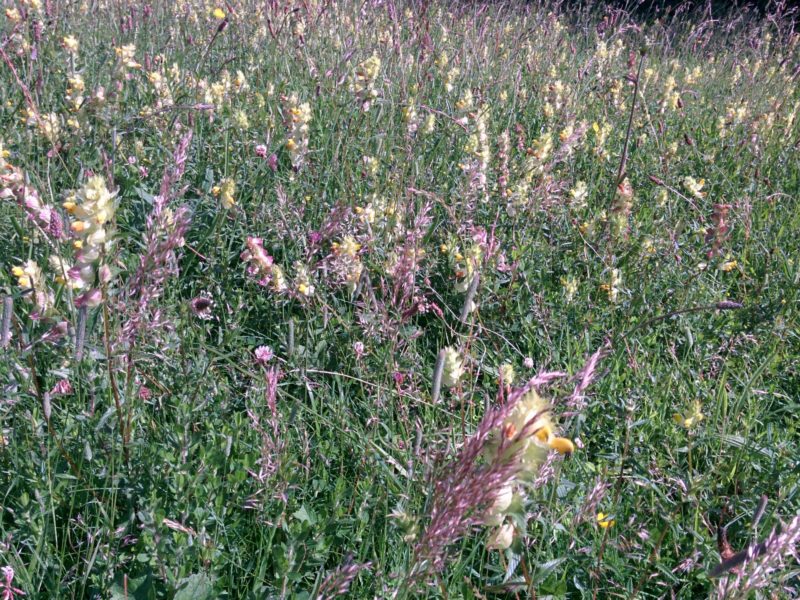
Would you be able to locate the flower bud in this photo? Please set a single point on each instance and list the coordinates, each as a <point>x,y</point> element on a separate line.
<point>502,537</point>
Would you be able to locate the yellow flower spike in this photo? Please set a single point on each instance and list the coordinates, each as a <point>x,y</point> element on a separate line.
<point>79,226</point>
<point>604,520</point>
<point>562,445</point>
<point>69,206</point>
<point>17,272</point>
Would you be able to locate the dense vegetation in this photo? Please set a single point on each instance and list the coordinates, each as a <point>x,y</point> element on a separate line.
<point>277,277</point>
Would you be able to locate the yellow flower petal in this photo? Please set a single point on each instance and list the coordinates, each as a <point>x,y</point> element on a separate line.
<point>544,433</point>
<point>562,445</point>
<point>604,521</point>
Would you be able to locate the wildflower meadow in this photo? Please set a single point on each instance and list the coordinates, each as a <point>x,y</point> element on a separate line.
<point>399,299</point>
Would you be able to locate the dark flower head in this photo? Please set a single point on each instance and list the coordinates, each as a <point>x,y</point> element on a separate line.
<point>201,307</point>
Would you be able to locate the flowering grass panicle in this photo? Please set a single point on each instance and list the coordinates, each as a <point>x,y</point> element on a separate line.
<point>164,235</point>
<point>338,582</point>
<point>764,564</point>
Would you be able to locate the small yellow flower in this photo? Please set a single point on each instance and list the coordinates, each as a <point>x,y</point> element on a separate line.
<point>348,247</point>
<point>218,13</point>
<point>371,164</point>
<point>453,367</point>
<point>226,191</point>
<point>28,275</point>
<point>429,125</point>
<point>303,280</point>
<point>579,193</point>
<point>728,265</point>
<point>70,44</point>
<point>695,187</point>
<point>13,15</point>
<point>605,521</point>
<point>570,287</point>
<point>126,55</point>
<point>690,419</point>
<point>507,374</point>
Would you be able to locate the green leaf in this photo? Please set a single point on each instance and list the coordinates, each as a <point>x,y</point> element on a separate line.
<point>195,587</point>
<point>305,516</point>
<point>139,588</point>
